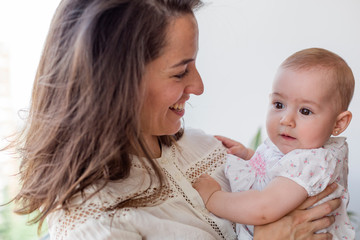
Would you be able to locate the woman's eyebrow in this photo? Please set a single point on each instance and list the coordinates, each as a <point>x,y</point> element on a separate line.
<point>183,62</point>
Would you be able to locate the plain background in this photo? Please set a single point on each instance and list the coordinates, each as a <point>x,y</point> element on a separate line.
<point>242,42</point>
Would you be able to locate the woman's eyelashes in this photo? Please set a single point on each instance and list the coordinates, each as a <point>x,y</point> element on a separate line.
<point>182,74</point>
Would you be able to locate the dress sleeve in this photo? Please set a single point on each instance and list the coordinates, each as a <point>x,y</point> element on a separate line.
<point>313,169</point>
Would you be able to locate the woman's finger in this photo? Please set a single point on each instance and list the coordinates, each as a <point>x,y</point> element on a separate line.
<point>321,210</point>
<point>322,223</point>
<point>322,236</point>
<point>314,199</point>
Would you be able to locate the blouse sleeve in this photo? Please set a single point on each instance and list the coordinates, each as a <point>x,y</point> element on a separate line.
<point>313,169</point>
<point>94,230</point>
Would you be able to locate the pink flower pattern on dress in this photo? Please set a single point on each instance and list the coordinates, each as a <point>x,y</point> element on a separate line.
<point>312,169</point>
<point>258,164</point>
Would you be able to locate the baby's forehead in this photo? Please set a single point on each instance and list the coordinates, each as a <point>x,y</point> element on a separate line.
<point>315,82</point>
<point>325,74</point>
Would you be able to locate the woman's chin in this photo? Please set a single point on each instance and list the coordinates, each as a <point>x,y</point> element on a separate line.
<point>173,130</point>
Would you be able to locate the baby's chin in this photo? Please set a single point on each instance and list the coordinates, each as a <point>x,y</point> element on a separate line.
<point>287,149</point>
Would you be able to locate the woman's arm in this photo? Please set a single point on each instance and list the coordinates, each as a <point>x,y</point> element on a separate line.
<point>251,207</point>
<point>302,223</point>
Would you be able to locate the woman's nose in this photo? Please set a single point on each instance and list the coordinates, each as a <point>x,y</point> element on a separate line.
<point>287,120</point>
<point>195,85</point>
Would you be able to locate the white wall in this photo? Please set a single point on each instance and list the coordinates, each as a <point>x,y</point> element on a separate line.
<point>23,28</point>
<point>242,42</point>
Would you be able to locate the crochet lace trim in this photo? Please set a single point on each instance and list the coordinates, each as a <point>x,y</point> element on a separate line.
<point>90,210</point>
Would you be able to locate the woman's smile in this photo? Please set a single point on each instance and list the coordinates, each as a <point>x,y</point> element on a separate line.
<point>178,108</point>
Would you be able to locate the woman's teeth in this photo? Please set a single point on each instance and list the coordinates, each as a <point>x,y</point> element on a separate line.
<point>178,106</point>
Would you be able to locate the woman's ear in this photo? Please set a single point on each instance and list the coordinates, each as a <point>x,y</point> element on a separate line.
<point>342,122</point>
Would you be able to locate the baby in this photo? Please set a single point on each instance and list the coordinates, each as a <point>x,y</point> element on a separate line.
<point>309,102</point>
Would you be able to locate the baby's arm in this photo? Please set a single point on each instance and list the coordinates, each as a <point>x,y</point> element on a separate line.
<point>206,186</point>
<point>236,148</point>
<point>251,207</point>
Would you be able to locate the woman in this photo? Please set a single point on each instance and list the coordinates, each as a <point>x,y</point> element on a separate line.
<point>104,155</point>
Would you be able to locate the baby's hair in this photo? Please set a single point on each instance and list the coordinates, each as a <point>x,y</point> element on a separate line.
<point>322,58</point>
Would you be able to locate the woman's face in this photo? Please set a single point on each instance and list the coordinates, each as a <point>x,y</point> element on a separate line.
<point>170,79</point>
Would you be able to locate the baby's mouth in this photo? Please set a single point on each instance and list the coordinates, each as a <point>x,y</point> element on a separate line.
<point>178,107</point>
<point>287,136</point>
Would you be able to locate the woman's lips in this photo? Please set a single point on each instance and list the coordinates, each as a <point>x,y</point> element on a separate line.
<point>178,108</point>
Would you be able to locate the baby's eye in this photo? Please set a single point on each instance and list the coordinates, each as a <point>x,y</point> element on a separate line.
<point>278,105</point>
<point>305,111</point>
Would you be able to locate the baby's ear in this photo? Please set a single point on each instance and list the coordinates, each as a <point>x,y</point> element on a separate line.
<point>342,122</point>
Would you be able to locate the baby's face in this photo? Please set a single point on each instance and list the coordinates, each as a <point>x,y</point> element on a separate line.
<point>302,111</point>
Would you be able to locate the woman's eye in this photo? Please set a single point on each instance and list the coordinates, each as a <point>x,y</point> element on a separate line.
<point>305,111</point>
<point>181,75</point>
<point>278,105</point>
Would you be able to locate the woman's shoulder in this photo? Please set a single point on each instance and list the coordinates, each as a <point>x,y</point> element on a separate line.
<point>198,138</point>
<point>97,210</point>
<point>197,153</point>
<point>95,217</point>
<point>91,221</point>
<point>196,145</point>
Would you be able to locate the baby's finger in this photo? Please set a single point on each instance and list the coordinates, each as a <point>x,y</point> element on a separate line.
<point>238,151</point>
<point>228,142</point>
<point>220,138</point>
<point>204,175</point>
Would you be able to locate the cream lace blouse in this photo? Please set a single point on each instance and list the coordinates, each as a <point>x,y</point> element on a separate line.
<point>182,215</point>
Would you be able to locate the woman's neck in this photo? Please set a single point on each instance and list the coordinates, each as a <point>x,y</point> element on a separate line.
<point>153,145</point>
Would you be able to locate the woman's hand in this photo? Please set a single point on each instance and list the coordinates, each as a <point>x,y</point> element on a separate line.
<point>236,148</point>
<point>302,223</point>
<point>206,186</point>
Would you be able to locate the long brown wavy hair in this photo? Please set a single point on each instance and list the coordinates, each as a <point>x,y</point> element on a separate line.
<point>84,116</point>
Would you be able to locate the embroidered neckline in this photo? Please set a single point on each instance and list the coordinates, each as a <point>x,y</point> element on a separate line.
<point>68,221</point>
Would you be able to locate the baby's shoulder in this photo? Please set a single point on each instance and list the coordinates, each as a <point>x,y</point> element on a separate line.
<point>335,147</point>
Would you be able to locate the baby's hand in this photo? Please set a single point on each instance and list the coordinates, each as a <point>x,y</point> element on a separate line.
<point>236,148</point>
<point>206,186</point>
